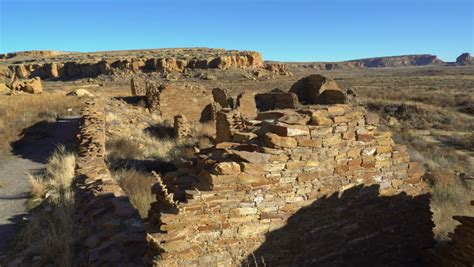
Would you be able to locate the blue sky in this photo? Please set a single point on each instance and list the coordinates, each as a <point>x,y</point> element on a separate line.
<point>295,30</point>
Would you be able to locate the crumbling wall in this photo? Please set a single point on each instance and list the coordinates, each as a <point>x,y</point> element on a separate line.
<point>295,193</point>
<point>170,100</point>
<point>111,230</point>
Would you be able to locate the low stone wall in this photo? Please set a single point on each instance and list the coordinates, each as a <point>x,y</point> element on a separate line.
<point>111,230</point>
<point>318,186</point>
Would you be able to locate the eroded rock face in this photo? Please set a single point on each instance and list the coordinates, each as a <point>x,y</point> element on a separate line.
<point>31,86</point>
<point>465,59</point>
<point>3,88</point>
<point>278,68</point>
<point>164,61</point>
<point>317,89</point>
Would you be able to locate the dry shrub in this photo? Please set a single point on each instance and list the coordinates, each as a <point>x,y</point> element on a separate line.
<point>451,196</point>
<point>446,173</point>
<point>145,144</point>
<point>50,231</point>
<point>137,185</point>
<point>20,111</point>
<point>38,189</point>
<point>124,149</point>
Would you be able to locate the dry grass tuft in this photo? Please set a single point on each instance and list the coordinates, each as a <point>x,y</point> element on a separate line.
<point>137,185</point>
<point>447,172</point>
<point>50,231</point>
<point>451,196</point>
<point>16,113</point>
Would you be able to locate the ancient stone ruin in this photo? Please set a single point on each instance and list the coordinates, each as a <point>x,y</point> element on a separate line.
<point>294,192</point>
<point>317,89</point>
<point>315,185</point>
<point>170,100</point>
<point>111,231</point>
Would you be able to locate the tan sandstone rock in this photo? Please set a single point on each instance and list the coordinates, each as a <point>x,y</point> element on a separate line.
<point>317,89</point>
<point>32,86</point>
<point>80,93</point>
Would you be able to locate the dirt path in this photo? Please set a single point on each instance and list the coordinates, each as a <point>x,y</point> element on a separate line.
<point>14,191</point>
<point>29,155</point>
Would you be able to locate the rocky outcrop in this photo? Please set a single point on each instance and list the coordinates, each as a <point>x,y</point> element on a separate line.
<point>465,59</point>
<point>376,62</point>
<point>111,230</point>
<point>32,86</point>
<point>317,89</point>
<point>78,65</point>
<point>279,192</point>
<point>278,68</point>
<point>399,61</point>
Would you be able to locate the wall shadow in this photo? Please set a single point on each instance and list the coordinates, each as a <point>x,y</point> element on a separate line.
<point>39,141</point>
<point>358,228</point>
<point>138,101</point>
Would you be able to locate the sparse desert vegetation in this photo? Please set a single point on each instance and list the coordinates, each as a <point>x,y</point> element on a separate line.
<point>48,236</point>
<point>432,108</point>
<point>426,108</point>
<point>20,111</point>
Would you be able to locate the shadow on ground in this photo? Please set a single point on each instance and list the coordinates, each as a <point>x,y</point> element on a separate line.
<point>138,101</point>
<point>39,141</point>
<point>358,228</point>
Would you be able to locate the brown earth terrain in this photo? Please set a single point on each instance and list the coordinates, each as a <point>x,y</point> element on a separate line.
<point>236,175</point>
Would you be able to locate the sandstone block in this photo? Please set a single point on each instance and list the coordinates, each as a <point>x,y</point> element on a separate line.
<point>242,137</point>
<point>321,121</point>
<point>227,168</point>
<point>246,105</point>
<point>372,118</point>
<point>310,143</point>
<point>274,140</point>
<point>310,90</point>
<point>289,130</point>
<point>33,86</point>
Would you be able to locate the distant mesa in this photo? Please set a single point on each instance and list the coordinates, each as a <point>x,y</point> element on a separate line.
<point>399,61</point>
<point>465,59</point>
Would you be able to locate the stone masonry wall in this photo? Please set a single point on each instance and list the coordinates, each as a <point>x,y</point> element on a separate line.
<point>111,230</point>
<point>170,100</point>
<point>319,186</point>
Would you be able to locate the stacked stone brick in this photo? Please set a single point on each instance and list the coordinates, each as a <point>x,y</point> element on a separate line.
<point>169,100</point>
<point>111,230</point>
<point>138,86</point>
<point>245,197</point>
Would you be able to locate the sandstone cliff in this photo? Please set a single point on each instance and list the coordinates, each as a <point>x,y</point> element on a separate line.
<point>67,66</point>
